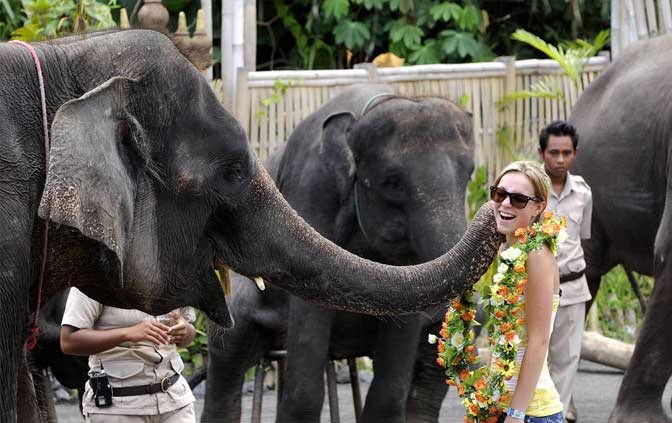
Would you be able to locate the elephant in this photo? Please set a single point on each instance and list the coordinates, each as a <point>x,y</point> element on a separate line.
<point>624,154</point>
<point>150,185</point>
<point>70,371</point>
<point>385,177</point>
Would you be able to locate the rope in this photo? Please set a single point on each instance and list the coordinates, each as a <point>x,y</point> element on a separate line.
<point>34,329</point>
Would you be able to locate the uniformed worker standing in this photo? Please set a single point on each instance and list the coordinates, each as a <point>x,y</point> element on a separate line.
<point>136,353</point>
<point>570,197</point>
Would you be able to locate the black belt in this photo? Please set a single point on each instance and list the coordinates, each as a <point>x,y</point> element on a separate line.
<point>153,388</point>
<point>572,276</point>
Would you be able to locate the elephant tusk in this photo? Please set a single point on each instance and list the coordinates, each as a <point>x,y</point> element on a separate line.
<point>260,283</point>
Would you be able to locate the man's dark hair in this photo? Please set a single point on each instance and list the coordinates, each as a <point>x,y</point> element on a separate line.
<point>559,128</point>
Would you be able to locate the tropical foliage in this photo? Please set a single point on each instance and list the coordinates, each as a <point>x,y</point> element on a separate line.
<point>52,18</point>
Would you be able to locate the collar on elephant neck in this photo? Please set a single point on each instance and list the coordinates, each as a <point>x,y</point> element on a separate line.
<point>358,212</point>
<point>31,341</point>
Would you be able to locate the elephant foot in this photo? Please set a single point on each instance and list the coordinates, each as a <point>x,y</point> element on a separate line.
<point>640,414</point>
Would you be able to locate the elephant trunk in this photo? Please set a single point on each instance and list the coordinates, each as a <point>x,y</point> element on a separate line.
<point>276,244</point>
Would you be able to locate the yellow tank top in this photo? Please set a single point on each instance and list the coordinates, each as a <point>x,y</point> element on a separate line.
<point>545,400</point>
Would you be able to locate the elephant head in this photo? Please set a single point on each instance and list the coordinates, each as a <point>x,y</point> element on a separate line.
<point>151,182</point>
<point>405,164</point>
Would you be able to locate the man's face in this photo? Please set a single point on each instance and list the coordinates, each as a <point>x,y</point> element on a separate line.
<point>558,156</point>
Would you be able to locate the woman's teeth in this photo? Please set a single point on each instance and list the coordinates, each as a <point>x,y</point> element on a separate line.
<point>506,216</point>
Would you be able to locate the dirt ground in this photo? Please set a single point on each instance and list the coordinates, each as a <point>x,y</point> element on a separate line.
<point>596,391</point>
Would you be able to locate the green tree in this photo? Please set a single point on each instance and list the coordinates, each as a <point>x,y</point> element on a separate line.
<point>52,18</point>
<point>10,17</point>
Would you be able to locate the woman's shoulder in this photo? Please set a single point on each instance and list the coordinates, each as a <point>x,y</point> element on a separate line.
<point>542,256</point>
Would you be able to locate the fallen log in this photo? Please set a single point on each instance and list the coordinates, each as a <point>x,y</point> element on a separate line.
<point>607,351</point>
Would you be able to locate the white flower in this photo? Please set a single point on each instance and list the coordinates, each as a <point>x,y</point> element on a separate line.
<point>502,268</point>
<point>432,338</point>
<point>562,236</point>
<point>496,300</point>
<point>511,253</point>
<point>457,340</point>
<point>498,278</point>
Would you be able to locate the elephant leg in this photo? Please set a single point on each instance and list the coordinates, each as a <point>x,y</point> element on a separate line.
<point>230,354</point>
<point>27,406</point>
<point>640,396</point>
<point>44,395</point>
<point>394,361</point>
<point>15,277</point>
<point>308,338</point>
<point>429,388</point>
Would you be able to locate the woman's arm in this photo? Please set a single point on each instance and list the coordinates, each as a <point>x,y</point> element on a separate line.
<point>76,341</point>
<point>541,276</point>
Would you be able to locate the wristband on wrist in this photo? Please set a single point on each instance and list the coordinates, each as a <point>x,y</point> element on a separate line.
<point>516,414</point>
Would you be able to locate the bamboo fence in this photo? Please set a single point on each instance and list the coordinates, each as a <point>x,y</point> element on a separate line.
<point>633,20</point>
<point>270,105</point>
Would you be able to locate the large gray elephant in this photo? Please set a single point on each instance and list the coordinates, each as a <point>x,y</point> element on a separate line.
<point>150,183</point>
<point>625,155</point>
<point>384,177</point>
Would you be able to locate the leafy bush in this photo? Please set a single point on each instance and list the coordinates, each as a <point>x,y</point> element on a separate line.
<point>337,33</point>
<point>53,18</point>
<point>10,17</point>
<point>194,354</point>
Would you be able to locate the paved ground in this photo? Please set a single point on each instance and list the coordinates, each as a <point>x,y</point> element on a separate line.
<point>596,392</point>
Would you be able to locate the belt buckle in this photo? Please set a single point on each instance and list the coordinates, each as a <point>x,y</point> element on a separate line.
<point>166,383</point>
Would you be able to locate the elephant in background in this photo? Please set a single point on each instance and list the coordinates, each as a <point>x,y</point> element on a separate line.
<point>384,177</point>
<point>151,184</point>
<point>625,155</point>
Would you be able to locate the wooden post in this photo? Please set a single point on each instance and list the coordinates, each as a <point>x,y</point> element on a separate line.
<point>206,5</point>
<point>227,53</point>
<point>594,319</point>
<point>332,392</point>
<point>603,350</point>
<point>505,118</point>
<point>615,28</point>
<point>242,111</point>
<point>250,34</point>
<point>651,18</point>
<point>666,15</point>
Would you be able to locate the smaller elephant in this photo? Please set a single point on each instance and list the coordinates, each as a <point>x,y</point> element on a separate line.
<point>383,176</point>
<point>70,371</point>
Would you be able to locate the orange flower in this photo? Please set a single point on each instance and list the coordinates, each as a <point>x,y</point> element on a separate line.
<point>510,336</point>
<point>520,321</point>
<point>513,299</point>
<point>470,348</point>
<point>505,327</point>
<point>464,374</point>
<point>451,382</point>
<point>500,314</point>
<point>460,390</point>
<point>506,397</point>
<point>474,409</point>
<point>523,282</point>
<point>519,268</point>
<point>516,311</point>
<point>457,305</point>
<point>504,291</point>
<point>548,214</point>
<point>522,239</point>
<point>493,409</point>
<point>440,362</point>
<point>480,383</point>
<point>468,316</point>
<point>533,232</point>
<point>520,231</point>
<point>563,222</point>
<point>480,398</point>
<point>467,420</point>
<point>441,347</point>
<point>492,419</point>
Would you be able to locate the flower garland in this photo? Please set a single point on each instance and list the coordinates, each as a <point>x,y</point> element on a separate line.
<point>482,390</point>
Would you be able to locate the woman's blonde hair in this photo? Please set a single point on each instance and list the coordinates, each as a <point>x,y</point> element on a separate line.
<point>534,172</point>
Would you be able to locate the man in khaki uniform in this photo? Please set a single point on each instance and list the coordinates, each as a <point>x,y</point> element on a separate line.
<point>138,354</point>
<point>570,197</point>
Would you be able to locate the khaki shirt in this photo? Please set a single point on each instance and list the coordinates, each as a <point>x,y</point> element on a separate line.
<point>129,364</point>
<point>575,202</point>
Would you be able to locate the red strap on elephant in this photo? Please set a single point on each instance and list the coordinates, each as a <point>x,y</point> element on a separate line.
<point>31,341</point>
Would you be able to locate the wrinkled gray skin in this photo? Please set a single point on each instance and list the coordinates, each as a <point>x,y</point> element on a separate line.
<point>410,161</point>
<point>150,182</point>
<point>625,153</point>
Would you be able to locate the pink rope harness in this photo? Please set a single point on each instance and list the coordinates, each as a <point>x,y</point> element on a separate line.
<point>31,341</point>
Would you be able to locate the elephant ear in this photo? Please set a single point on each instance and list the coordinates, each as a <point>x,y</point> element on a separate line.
<point>90,185</point>
<point>337,151</point>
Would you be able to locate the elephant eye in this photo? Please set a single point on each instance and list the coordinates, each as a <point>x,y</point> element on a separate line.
<point>233,171</point>
<point>393,182</point>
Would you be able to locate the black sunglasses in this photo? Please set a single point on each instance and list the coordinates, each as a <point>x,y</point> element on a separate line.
<point>518,201</point>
